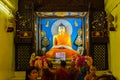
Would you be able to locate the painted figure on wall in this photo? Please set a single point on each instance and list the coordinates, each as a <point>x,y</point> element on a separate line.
<point>61,43</point>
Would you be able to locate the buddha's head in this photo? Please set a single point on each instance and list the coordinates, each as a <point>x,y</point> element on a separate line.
<point>61,28</point>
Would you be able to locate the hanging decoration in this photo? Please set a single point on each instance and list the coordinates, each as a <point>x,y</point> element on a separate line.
<point>111,22</point>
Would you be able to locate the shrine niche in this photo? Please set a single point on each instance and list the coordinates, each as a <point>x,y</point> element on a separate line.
<point>33,36</point>
<point>76,24</point>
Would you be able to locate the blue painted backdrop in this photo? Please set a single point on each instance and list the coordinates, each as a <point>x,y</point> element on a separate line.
<point>49,34</point>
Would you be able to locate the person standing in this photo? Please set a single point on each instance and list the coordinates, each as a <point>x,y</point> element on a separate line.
<point>62,72</point>
<point>31,73</point>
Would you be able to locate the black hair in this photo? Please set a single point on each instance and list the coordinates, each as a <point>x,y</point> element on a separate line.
<point>63,63</point>
<point>50,64</point>
<point>106,77</point>
<point>29,70</point>
<point>46,72</point>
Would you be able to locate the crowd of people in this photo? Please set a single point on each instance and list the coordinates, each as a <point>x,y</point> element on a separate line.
<point>81,68</point>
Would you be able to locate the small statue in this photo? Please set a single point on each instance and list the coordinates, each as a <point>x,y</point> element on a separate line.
<point>80,50</point>
<point>45,41</point>
<point>78,41</point>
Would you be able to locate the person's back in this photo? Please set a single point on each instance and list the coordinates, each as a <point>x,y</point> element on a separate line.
<point>48,73</point>
<point>92,75</point>
<point>74,73</point>
<point>62,73</point>
<point>106,77</point>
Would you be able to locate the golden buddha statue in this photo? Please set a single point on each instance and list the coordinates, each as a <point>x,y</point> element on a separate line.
<point>61,43</point>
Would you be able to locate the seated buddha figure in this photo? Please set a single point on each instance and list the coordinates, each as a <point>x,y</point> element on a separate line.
<point>61,43</point>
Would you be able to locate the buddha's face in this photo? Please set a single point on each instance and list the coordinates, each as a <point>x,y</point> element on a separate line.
<point>61,29</point>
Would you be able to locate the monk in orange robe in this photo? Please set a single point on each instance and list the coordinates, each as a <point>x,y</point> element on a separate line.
<point>61,43</point>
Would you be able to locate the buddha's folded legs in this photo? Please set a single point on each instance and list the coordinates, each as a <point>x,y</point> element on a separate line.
<point>68,52</point>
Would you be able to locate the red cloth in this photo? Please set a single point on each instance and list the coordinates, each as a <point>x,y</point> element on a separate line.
<point>74,73</point>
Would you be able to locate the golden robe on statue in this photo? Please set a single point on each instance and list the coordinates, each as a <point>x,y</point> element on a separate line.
<point>61,43</point>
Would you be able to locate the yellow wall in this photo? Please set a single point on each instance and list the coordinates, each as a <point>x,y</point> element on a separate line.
<point>6,47</point>
<point>114,45</point>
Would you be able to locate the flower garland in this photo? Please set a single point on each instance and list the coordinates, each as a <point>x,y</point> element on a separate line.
<point>80,60</point>
<point>39,61</point>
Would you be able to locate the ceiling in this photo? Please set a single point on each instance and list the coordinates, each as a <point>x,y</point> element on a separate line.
<point>67,5</point>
